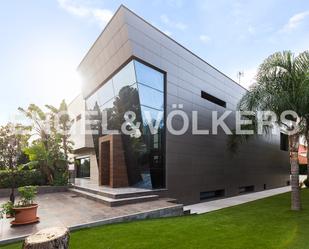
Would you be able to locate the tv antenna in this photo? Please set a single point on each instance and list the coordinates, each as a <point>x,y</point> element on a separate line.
<point>239,75</point>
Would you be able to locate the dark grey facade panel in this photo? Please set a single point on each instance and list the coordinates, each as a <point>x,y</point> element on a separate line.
<point>194,163</point>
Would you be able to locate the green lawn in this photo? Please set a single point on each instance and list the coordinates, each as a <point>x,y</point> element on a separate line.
<point>264,224</point>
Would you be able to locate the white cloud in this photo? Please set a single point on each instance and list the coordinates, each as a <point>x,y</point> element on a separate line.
<point>205,38</point>
<point>177,25</point>
<point>79,8</point>
<point>295,21</point>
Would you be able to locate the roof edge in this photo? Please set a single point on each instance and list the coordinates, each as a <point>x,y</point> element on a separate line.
<point>121,6</point>
<point>141,18</point>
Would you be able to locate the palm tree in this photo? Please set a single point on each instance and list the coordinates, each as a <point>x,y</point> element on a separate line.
<point>305,68</point>
<point>62,127</point>
<point>41,127</point>
<point>39,122</point>
<point>282,84</point>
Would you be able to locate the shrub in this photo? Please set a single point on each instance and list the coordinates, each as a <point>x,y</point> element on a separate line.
<point>61,175</point>
<point>22,178</point>
<point>61,179</point>
<point>6,209</point>
<point>27,195</point>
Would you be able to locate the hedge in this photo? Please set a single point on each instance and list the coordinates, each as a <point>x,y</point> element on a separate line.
<point>22,178</point>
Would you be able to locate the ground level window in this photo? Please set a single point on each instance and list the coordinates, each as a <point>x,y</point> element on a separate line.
<point>212,194</point>
<point>247,189</point>
<point>82,167</point>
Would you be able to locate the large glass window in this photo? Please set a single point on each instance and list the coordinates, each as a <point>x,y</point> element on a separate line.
<point>149,76</point>
<point>105,93</point>
<point>82,167</point>
<point>137,88</point>
<point>151,97</point>
<point>126,77</point>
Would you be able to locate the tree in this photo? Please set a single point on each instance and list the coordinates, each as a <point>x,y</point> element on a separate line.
<point>61,125</point>
<point>305,126</point>
<point>41,128</point>
<point>282,84</point>
<point>13,138</point>
<point>40,123</point>
<point>49,151</point>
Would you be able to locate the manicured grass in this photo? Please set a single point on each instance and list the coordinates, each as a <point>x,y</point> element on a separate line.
<point>264,224</point>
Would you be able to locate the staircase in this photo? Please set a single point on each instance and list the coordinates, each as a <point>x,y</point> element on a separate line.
<point>116,197</point>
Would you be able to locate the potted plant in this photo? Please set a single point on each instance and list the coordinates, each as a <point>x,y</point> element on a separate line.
<point>7,210</point>
<point>25,212</point>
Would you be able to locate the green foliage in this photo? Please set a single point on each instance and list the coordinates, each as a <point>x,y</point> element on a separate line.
<point>36,152</point>
<point>61,174</point>
<point>6,209</point>
<point>22,178</point>
<point>22,158</point>
<point>13,137</point>
<point>27,195</point>
<point>282,84</point>
<point>29,166</point>
<point>50,163</point>
<point>61,178</point>
<point>53,144</point>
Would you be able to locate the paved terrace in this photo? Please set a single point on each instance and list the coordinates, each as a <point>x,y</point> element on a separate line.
<point>67,209</point>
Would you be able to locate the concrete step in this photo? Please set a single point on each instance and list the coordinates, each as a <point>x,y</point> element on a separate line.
<point>111,201</point>
<point>171,200</point>
<point>123,194</point>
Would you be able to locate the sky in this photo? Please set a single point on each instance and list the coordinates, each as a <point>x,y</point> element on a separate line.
<point>42,42</point>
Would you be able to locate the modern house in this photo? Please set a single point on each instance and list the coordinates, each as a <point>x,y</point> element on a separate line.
<point>133,66</point>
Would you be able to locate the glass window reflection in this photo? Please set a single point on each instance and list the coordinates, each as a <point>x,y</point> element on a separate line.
<point>91,101</point>
<point>105,93</point>
<point>151,97</point>
<point>149,76</point>
<point>150,115</point>
<point>145,97</point>
<point>125,77</point>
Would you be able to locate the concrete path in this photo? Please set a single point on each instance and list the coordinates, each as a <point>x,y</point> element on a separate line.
<point>209,206</point>
<point>205,207</point>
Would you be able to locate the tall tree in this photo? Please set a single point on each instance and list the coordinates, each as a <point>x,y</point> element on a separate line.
<point>40,122</point>
<point>304,67</point>
<point>41,128</point>
<point>13,138</point>
<point>282,84</point>
<point>61,125</point>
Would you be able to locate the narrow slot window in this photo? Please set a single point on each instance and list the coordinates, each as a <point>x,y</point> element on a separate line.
<point>213,99</point>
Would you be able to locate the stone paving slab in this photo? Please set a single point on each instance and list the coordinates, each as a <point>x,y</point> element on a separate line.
<point>67,209</point>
